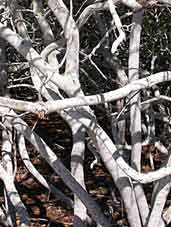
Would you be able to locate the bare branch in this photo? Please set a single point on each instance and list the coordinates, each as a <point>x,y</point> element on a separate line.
<point>167,216</point>
<point>133,4</point>
<point>48,36</point>
<point>52,106</point>
<point>89,11</point>
<point>135,111</point>
<point>24,48</point>
<point>118,24</point>
<point>14,197</point>
<point>60,169</point>
<point>77,170</point>
<point>25,157</point>
<point>159,197</point>
<point>71,35</point>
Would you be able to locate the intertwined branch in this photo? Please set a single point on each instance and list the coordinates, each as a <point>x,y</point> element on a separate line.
<point>54,69</point>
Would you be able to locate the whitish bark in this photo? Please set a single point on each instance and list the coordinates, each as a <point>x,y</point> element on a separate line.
<point>140,177</point>
<point>72,38</point>
<point>46,72</point>
<point>25,157</point>
<point>167,215</point>
<point>133,4</point>
<point>14,197</point>
<point>135,111</point>
<point>7,156</point>
<point>47,33</point>
<point>7,162</point>
<point>61,170</point>
<point>53,106</point>
<point>17,18</point>
<point>118,24</point>
<point>124,185</point>
<point>89,11</point>
<point>120,179</point>
<point>162,191</point>
<point>77,155</point>
<point>159,195</point>
<point>3,218</point>
<point>77,170</point>
<point>123,182</point>
<point>46,77</point>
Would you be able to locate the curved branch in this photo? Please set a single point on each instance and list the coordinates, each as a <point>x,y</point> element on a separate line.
<point>135,111</point>
<point>53,106</point>
<point>162,190</point>
<point>71,35</point>
<point>48,36</point>
<point>118,24</point>
<point>89,11</point>
<point>14,197</point>
<point>112,154</point>
<point>25,157</point>
<point>77,170</point>
<point>60,169</point>
<point>24,47</point>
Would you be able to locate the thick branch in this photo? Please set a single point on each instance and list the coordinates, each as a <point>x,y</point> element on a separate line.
<point>25,157</point>
<point>47,33</point>
<point>135,111</point>
<point>71,35</point>
<point>89,11</point>
<point>53,106</point>
<point>14,197</point>
<point>60,169</point>
<point>77,170</point>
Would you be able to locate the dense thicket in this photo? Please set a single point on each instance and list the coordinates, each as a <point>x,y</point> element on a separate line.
<point>84,80</point>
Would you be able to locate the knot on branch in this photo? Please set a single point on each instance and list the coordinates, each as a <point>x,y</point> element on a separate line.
<point>41,111</point>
